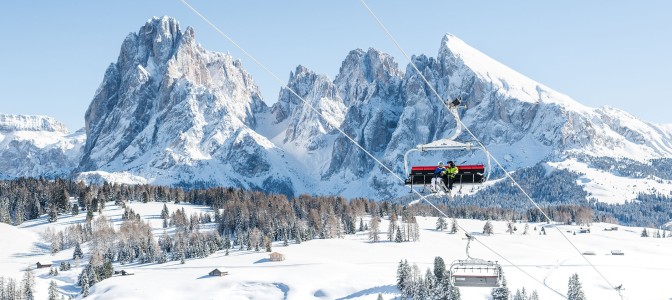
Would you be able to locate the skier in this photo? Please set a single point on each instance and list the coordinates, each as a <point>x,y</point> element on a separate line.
<point>449,174</point>
<point>437,182</point>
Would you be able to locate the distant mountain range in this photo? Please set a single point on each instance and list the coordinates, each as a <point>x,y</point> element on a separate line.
<point>171,112</point>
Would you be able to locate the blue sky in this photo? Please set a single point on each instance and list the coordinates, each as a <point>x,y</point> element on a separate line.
<point>616,53</point>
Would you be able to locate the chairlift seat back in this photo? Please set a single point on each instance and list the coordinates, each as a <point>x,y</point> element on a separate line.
<point>467,174</point>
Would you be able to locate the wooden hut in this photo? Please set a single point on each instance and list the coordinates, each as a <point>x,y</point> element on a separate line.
<point>275,256</point>
<point>217,272</point>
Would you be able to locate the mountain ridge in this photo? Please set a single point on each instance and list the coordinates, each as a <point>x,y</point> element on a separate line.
<point>171,112</point>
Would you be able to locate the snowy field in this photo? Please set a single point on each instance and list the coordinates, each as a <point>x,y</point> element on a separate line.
<point>609,188</point>
<point>354,268</point>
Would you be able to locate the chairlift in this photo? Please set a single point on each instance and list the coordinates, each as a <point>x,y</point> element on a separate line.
<point>475,272</point>
<point>467,174</point>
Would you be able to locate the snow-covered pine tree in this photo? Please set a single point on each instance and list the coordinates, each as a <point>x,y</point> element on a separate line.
<point>439,268</point>
<point>454,227</point>
<point>28,285</point>
<point>404,278</point>
<point>454,292</point>
<point>421,290</point>
<point>534,295</point>
<point>2,288</point>
<point>441,224</point>
<point>227,244</point>
<point>487,228</point>
<point>108,270</point>
<point>399,238</point>
<point>11,290</point>
<point>84,282</point>
<point>527,227</point>
<point>501,293</point>
<point>53,213</point>
<point>267,243</point>
<point>520,294</point>
<point>574,290</point>
<point>164,212</point>
<point>509,227</point>
<point>430,282</point>
<point>645,233</point>
<point>53,291</point>
<point>380,296</point>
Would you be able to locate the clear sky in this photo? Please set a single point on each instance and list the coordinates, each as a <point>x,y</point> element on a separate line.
<point>53,54</point>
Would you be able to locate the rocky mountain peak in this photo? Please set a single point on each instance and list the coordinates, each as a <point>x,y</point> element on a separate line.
<point>10,123</point>
<point>164,96</point>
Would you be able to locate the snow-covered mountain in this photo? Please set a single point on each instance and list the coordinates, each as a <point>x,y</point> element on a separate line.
<point>33,146</point>
<point>169,111</point>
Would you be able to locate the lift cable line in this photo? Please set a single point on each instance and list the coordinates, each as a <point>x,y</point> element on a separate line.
<point>508,175</point>
<point>350,138</point>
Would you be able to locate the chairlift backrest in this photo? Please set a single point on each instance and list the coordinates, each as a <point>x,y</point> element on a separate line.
<point>475,273</point>
<point>467,174</point>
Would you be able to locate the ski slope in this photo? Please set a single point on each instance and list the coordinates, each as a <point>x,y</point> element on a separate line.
<point>354,268</point>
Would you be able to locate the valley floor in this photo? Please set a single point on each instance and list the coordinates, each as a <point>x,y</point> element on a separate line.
<point>355,268</point>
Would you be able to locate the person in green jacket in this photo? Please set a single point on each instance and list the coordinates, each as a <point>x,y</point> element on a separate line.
<point>449,174</point>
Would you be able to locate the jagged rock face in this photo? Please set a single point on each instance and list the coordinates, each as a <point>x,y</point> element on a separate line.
<point>168,109</point>
<point>514,116</point>
<point>33,146</point>
<point>309,124</point>
<point>369,83</point>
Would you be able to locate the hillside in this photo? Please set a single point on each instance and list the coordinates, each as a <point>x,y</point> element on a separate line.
<point>355,268</point>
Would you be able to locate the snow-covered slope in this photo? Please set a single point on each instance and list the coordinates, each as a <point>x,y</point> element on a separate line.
<point>34,146</point>
<point>170,111</point>
<point>355,268</point>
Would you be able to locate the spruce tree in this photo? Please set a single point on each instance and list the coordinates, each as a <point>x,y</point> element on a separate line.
<point>53,213</point>
<point>77,254</point>
<point>645,233</point>
<point>534,295</point>
<point>399,238</point>
<point>453,228</point>
<point>227,244</point>
<point>439,268</point>
<point>487,229</point>
<point>501,293</point>
<point>28,285</point>
<point>2,288</point>
<point>164,212</point>
<point>84,282</point>
<point>509,227</point>
<point>108,270</point>
<point>441,224</point>
<point>404,276</point>
<point>53,290</point>
<point>574,290</point>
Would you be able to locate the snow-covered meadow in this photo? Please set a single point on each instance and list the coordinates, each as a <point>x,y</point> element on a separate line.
<point>355,268</point>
